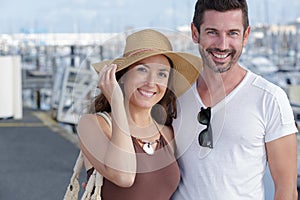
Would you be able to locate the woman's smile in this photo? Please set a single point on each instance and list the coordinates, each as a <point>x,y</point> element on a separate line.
<point>146,93</point>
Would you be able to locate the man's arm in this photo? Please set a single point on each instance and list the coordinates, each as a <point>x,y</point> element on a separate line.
<point>282,160</point>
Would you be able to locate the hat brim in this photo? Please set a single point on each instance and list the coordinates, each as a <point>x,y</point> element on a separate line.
<point>187,67</point>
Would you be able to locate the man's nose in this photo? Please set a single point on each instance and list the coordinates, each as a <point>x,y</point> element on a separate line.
<point>222,42</point>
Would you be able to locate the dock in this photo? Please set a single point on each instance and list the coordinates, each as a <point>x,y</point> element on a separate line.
<point>37,157</point>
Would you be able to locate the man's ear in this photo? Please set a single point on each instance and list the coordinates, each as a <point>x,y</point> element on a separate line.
<point>195,33</point>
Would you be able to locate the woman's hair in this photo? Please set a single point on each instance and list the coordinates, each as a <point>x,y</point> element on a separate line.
<point>221,6</point>
<point>163,112</point>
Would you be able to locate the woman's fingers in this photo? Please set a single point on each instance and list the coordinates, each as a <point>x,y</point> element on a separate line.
<point>107,73</point>
<point>101,74</point>
<point>113,72</point>
<point>107,81</point>
<point>83,185</point>
<point>110,76</point>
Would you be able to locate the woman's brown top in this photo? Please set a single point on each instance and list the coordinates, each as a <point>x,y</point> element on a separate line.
<point>156,179</point>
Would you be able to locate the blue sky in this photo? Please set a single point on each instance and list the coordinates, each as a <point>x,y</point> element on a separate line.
<point>115,15</point>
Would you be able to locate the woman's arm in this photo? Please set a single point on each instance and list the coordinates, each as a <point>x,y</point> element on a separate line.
<point>113,146</point>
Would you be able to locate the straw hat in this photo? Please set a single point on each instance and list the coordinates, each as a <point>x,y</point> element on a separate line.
<point>147,43</point>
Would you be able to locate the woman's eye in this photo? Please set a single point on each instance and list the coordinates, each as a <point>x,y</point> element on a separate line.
<point>163,74</point>
<point>142,69</point>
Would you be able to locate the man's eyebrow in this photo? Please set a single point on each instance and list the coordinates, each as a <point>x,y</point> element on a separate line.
<point>230,30</point>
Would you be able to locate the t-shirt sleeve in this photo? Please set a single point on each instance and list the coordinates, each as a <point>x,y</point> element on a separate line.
<point>280,119</point>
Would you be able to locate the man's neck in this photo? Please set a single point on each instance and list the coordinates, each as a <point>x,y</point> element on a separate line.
<point>214,87</point>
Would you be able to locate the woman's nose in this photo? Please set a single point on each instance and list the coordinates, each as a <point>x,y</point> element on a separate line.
<point>150,79</point>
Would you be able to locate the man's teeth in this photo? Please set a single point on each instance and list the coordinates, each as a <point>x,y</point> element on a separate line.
<point>220,56</point>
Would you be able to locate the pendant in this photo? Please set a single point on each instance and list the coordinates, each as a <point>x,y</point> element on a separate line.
<point>147,147</point>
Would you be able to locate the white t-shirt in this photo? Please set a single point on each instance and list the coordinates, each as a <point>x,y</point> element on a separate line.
<point>254,113</point>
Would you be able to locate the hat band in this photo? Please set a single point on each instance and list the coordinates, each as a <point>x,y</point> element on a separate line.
<point>139,51</point>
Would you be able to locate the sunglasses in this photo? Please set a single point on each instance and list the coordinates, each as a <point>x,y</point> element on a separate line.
<point>205,137</point>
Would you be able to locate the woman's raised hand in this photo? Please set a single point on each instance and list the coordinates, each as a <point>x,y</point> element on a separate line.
<point>108,83</point>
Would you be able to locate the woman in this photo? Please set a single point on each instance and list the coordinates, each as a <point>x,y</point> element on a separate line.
<point>139,90</point>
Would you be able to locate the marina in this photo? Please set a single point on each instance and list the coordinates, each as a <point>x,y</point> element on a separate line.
<point>47,83</point>
<point>56,74</point>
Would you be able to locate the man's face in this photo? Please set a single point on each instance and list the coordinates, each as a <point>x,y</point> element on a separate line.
<point>221,39</point>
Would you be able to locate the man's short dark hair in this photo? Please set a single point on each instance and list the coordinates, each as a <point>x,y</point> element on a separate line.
<point>221,6</point>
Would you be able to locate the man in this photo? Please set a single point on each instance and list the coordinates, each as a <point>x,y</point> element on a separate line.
<point>244,120</point>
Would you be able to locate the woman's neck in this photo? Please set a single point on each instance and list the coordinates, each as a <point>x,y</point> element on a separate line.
<point>141,124</point>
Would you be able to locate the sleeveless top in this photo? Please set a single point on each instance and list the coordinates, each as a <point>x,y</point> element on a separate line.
<point>157,176</point>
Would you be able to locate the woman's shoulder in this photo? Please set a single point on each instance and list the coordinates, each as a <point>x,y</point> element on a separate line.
<point>104,115</point>
<point>103,122</point>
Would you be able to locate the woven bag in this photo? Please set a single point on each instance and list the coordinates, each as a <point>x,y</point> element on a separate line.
<point>74,187</point>
<point>95,181</point>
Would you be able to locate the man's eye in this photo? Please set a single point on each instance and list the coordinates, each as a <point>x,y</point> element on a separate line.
<point>211,32</point>
<point>233,33</point>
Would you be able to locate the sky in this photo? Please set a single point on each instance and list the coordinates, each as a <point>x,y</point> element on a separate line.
<point>81,16</point>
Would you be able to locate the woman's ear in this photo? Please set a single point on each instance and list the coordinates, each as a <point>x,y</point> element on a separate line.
<point>195,33</point>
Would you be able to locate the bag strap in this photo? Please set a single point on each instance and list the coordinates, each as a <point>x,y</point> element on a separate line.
<point>89,186</point>
<point>79,163</point>
<point>106,116</point>
<point>74,187</point>
<point>95,181</point>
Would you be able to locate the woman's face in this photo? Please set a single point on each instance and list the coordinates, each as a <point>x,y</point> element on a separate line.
<point>146,81</point>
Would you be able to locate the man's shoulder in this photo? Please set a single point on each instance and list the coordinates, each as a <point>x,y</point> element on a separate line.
<point>265,85</point>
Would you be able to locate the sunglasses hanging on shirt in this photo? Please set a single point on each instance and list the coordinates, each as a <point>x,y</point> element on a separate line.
<point>205,137</point>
